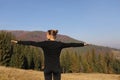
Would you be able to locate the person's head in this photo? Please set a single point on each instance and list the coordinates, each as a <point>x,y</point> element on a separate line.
<point>51,34</point>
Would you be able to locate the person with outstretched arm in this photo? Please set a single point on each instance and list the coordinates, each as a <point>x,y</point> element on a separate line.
<point>52,50</point>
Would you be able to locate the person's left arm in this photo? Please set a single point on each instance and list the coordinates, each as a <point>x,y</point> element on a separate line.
<point>65,45</point>
<point>32,43</point>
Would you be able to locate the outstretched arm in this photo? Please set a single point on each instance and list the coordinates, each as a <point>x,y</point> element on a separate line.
<point>25,42</point>
<point>65,45</point>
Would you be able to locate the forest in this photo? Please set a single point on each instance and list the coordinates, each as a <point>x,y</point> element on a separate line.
<point>73,60</point>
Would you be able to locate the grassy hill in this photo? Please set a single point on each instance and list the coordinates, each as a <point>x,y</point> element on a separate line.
<point>20,74</point>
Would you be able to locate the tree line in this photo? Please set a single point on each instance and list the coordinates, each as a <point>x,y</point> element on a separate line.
<point>72,61</point>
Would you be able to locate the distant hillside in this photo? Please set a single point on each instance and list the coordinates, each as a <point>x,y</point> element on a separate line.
<point>39,36</point>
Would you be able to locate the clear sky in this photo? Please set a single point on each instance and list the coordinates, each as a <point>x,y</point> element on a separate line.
<point>92,21</point>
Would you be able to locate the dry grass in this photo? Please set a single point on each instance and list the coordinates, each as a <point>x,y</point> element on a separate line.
<point>19,74</point>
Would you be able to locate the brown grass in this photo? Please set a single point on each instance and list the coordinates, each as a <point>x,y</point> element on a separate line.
<point>19,74</point>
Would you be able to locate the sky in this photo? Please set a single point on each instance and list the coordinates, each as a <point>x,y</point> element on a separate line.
<point>93,21</point>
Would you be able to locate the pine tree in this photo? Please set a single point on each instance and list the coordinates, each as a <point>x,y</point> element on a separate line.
<point>65,61</point>
<point>75,64</point>
<point>116,66</point>
<point>5,48</point>
<point>37,59</point>
<point>18,59</point>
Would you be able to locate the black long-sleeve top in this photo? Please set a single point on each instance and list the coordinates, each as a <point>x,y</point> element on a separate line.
<point>52,50</point>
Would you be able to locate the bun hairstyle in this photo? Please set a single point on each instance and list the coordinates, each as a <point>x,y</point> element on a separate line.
<point>52,32</point>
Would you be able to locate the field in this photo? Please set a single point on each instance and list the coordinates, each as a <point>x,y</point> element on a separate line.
<point>19,74</point>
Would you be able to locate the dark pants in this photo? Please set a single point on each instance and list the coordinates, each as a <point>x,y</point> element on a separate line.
<point>48,73</point>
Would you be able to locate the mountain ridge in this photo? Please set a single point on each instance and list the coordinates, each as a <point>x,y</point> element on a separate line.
<point>41,36</point>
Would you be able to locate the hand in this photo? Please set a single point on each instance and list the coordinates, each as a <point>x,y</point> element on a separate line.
<point>85,44</point>
<point>14,41</point>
